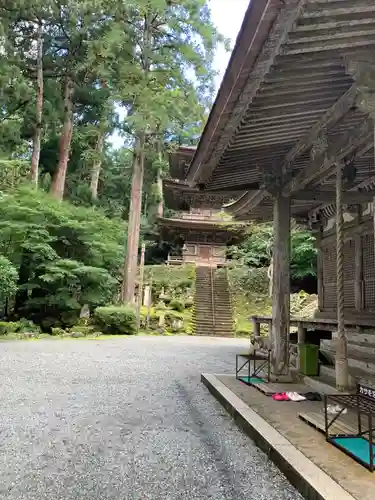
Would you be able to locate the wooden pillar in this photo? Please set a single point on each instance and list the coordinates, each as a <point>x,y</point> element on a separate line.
<point>280,288</point>
<point>358,291</point>
<point>341,359</point>
<point>301,340</point>
<point>318,245</point>
<point>256,327</point>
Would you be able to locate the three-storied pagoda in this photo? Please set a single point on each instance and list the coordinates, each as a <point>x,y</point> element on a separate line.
<point>198,228</point>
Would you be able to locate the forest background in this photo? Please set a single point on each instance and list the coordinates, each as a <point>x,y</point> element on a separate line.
<point>74,209</point>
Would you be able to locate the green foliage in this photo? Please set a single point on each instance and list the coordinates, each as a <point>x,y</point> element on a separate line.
<point>116,320</point>
<point>8,279</point>
<point>80,330</point>
<point>12,173</point>
<point>175,281</point>
<point>8,327</point>
<point>304,255</point>
<point>27,326</point>
<point>178,36</point>
<point>65,256</point>
<point>177,305</point>
<point>20,327</point>
<point>146,61</point>
<point>256,250</point>
<point>58,332</point>
<point>249,281</point>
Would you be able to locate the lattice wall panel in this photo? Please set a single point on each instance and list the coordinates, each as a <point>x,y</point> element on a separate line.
<point>329,264</point>
<point>349,296</point>
<point>368,257</point>
<point>369,295</point>
<point>349,261</point>
<point>330,276</point>
<point>330,296</point>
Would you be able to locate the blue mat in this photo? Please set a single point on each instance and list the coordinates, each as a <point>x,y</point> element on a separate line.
<point>357,446</point>
<point>255,380</point>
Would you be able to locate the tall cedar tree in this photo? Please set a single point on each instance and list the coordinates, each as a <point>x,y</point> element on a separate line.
<point>75,42</point>
<point>23,24</point>
<point>168,81</point>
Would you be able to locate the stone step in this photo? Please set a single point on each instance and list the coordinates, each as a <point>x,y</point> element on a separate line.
<point>328,375</point>
<point>199,326</point>
<point>362,357</point>
<point>209,315</point>
<point>211,323</point>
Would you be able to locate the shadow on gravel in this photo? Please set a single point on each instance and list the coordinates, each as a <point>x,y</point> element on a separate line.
<point>200,427</point>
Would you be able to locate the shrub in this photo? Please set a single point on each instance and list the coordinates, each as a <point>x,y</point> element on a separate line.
<point>80,329</point>
<point>249,281</point>
<point>27,326</point>
<point>177,305</point>
<point>58,332</point>
<point>116,320</point>
<point>8,327</point>
<point>8,279</point>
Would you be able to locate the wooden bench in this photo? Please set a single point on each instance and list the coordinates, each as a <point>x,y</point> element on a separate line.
<point>317,420</point>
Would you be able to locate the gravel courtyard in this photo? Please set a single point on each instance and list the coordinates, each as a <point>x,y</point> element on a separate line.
<point>124,419</point>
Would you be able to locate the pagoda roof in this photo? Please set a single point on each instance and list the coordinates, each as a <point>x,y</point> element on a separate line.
<point>180,160</point>
<point>178,195</point>
<point>292,102</point>
<point>234,231</point>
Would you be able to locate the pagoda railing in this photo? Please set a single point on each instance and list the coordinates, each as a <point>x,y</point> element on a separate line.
<point>204,217</point>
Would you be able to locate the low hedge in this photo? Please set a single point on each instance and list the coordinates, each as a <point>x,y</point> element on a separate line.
<point>116,320</point>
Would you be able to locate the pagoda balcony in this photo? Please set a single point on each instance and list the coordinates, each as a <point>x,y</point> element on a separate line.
<point>179,260</point>
<point>206,216</point>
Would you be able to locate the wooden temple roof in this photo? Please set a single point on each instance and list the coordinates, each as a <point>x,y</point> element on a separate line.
<point>178,195</point>
<point>294,97</point>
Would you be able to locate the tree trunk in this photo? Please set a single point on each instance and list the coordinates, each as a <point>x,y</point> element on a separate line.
<point>58,181</point>
<point>135,210</point>
<point>159,181</point>
<point>97,165</point>
<point>34,171</point>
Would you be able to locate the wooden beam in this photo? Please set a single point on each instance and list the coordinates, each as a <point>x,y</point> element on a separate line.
<point>330,118</point>
<point>348,198</point>
<point>246,203</point>
<point>278,34</point>
<point>347,142</point>
<point>333,44</point>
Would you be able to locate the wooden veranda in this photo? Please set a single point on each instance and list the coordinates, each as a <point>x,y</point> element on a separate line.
<point>293,127</point>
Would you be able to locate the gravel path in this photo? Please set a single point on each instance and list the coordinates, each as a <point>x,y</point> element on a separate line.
<point>124,419</point>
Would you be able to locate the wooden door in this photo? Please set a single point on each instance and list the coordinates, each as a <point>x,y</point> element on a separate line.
<point>204,252</point>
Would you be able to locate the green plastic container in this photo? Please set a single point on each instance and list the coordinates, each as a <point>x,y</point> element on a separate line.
<point>309,359</point>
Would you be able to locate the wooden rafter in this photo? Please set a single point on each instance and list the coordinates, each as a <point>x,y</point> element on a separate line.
<point>277,36</point>
<point>346,143</point>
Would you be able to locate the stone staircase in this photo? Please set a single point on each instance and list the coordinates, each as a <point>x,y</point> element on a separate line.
<point>361,358</point>
<point>212,314</point>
